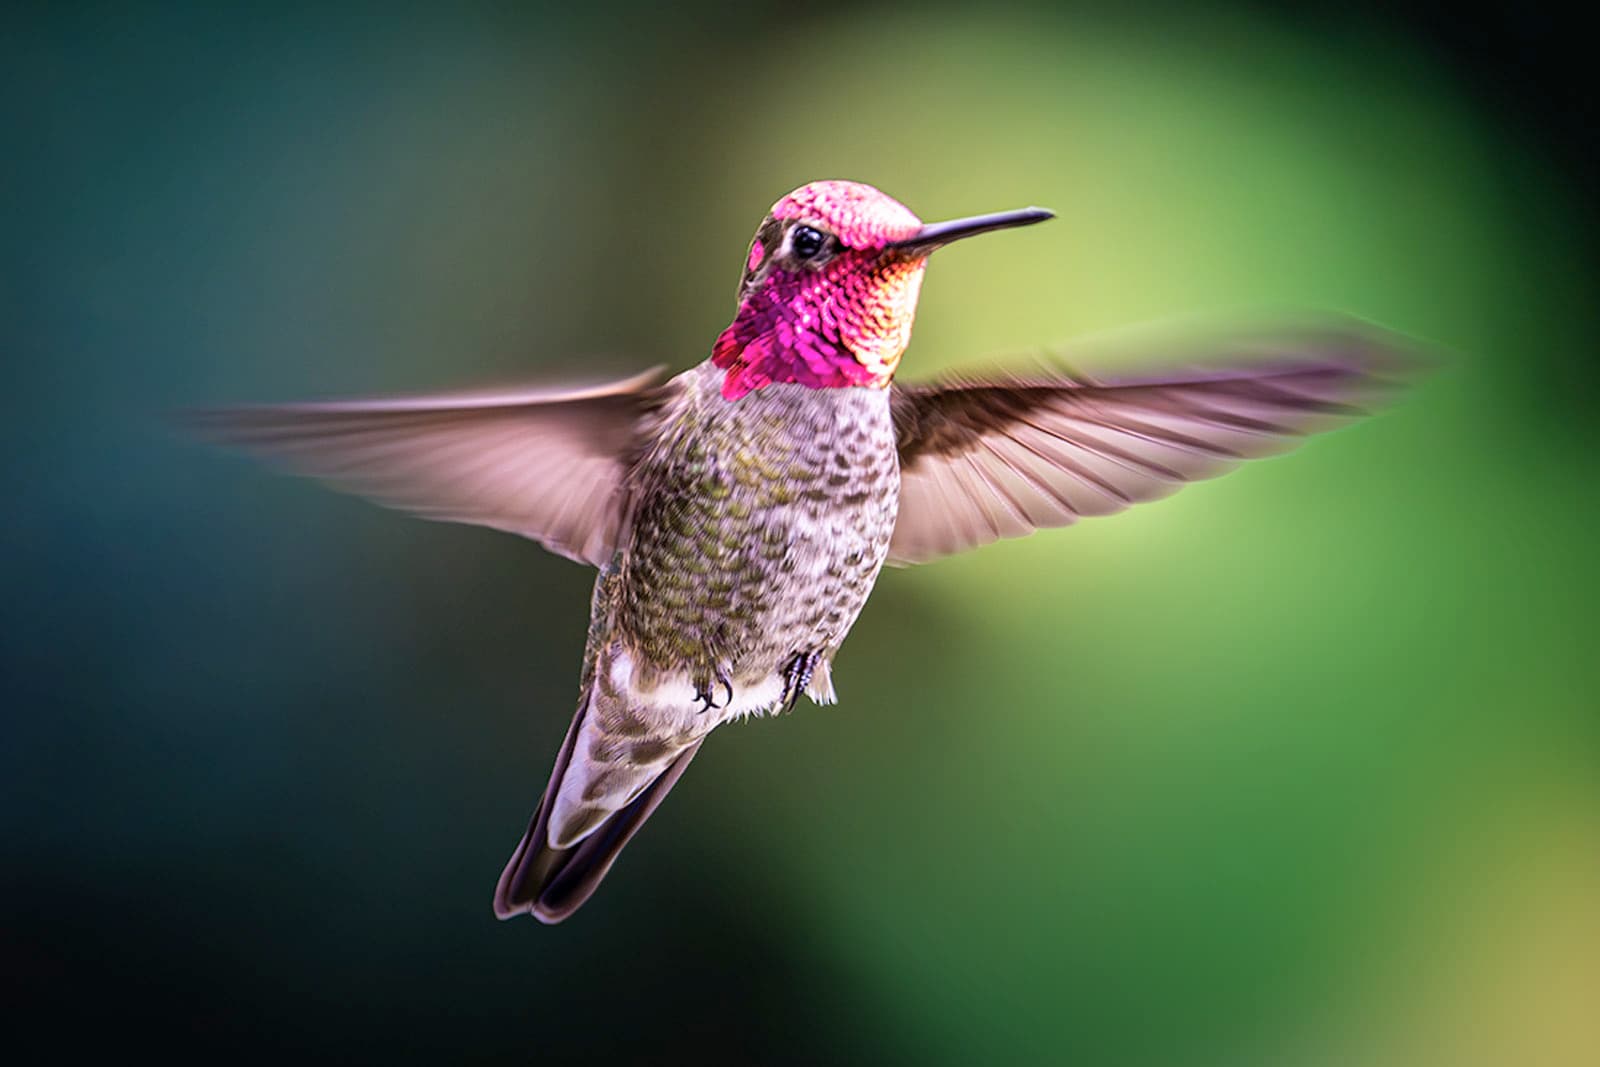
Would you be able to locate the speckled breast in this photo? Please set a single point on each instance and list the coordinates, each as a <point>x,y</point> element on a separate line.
<point>759,526</point>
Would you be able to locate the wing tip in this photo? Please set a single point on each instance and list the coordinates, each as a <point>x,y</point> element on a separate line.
<point>487,396</point>
<point>1203,344</point>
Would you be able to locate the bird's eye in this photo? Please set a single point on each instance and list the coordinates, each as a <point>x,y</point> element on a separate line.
<point>806,242</point>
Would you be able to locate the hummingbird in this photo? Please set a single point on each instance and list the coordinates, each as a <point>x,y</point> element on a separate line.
<point>740,512</point>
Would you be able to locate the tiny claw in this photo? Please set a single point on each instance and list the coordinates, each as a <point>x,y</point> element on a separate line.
<point>796,676</point>
<point>703,694</point>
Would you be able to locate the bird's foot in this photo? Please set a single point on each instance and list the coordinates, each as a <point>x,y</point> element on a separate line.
<point>796,676</point>
<point>703,693</point>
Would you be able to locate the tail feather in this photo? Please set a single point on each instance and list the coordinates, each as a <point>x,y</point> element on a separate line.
<point>551,883</point>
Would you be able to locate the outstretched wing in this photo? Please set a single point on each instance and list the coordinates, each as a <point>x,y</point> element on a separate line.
<point>545,464</point>
<point>983,460</point>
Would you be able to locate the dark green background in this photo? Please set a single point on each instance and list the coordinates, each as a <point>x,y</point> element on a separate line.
<point>1297,767</point>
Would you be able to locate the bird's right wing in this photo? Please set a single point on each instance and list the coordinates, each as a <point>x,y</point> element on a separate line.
<point>546,464</point>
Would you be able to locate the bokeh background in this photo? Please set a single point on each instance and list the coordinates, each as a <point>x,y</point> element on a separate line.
<point>1296,767</point>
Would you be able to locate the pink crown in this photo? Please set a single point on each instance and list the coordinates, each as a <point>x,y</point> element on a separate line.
<point>861,216</point>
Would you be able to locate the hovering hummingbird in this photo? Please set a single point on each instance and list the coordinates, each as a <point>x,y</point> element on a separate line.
<point>739,513</point>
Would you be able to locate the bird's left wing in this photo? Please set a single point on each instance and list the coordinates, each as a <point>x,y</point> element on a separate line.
<point>546,464</point>
<point>985,460</point>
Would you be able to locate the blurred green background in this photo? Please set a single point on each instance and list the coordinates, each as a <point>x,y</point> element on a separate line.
<point>1296,767</point>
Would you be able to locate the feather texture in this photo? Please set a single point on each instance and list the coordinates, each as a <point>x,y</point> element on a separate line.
<point>550,881</point>
<point>985,460</point>
<point>548,464</point>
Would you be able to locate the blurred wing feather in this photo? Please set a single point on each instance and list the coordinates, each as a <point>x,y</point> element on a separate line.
<point>985,460</point>
<point>545,464</point>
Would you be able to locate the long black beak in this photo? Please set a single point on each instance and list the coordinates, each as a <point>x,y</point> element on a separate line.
<point>938,234</point>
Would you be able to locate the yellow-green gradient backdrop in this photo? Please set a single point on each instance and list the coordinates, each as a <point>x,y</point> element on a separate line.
<point>1297,767</point>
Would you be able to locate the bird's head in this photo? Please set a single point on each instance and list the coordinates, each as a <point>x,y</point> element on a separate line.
<point>830,286</point>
